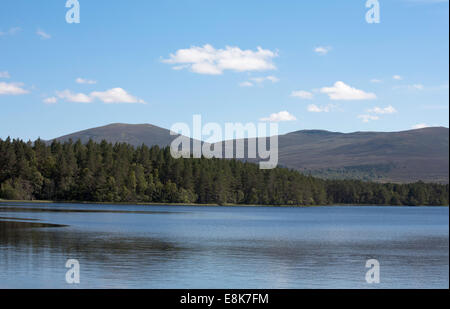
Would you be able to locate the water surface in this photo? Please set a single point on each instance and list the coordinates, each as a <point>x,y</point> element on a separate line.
<point>127,246</point>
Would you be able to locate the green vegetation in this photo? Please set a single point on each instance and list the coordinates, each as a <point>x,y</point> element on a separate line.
<point>105,172</point>
<point>367,172</point>
<point>399,157</point>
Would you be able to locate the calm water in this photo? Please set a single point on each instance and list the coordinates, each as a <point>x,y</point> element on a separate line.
<point>228,247</point>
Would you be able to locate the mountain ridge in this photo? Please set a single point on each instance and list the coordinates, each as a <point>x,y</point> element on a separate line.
<point>401,156</point>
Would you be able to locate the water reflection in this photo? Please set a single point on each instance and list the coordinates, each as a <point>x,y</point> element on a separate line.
<point>28,245</point>
<point>188,247</point>
<point>15,208</point>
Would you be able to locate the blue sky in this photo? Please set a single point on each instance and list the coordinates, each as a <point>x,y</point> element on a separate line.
<point>304,64</point>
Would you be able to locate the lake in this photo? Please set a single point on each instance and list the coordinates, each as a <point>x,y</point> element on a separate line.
<point>133,246</point>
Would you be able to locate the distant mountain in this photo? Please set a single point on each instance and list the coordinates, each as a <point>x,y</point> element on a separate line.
<point>405,156</point>
<point>133,134</point>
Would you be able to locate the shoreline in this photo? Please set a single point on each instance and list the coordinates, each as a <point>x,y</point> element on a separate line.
<point>200,205</point>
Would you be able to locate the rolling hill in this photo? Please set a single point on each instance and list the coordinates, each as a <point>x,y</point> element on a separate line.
<point>133,134</point>
<point>395,156</point>
<point>405,156</point>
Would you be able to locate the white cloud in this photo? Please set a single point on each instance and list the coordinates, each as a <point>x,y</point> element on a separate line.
<point>74,97</point>
<point>322,50</point>
<point>376,81</point>
<point>11,31</point>
<point>305,95</point>
<point>208,60</point>
<point>260,80</point>
<point>397,77</point>
<point>380,111</point>
<point>43,34</point>
<point>342,91</point>
<point>116,95</point>
<point>373,113</point>
<point>279,117</point>
<point>416,87</point>
<point>410,87</point>
<point>246,84</point>
<point>313,108</point>
<point>51,100</point>
<point>80,80</point>
<point>273,79</point>
<point>4,74</point>
<point>205,68</point>
<point>366,118</point>
<point>420,126</point>
<point>12,89</point>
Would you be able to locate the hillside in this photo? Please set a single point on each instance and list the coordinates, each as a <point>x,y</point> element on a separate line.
<point>133,134</point>
<point>405,156</point>
<point>100,172</point>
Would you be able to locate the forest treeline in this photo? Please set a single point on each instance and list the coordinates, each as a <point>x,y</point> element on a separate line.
<point>105,172</point>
